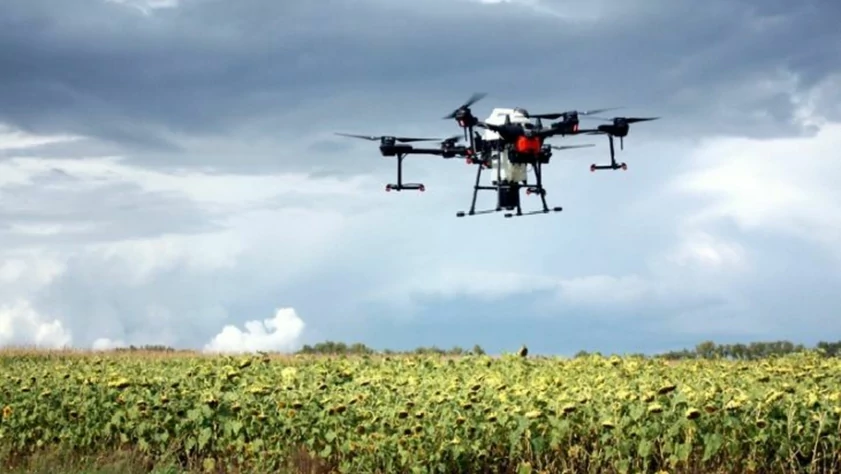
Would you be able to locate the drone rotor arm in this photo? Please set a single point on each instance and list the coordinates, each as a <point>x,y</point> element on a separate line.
<point>411,139</point>
<point>382,137</point>
<point>550,132</point>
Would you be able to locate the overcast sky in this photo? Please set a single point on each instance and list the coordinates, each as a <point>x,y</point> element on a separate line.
<point>169,174</point>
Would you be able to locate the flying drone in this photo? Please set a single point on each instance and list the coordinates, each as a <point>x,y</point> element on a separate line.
<point>513,141</point>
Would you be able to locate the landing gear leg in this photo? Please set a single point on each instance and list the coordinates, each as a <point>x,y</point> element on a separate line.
<point>538,174</point>
<point>400,186</point>
<point>613,164</point>
<point>538,177</point>
<point>475,189</point>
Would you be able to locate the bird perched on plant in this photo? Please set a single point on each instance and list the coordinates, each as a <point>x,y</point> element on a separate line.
<point>524,351</point>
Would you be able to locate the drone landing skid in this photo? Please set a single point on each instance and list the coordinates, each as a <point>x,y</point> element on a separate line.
<point>405,187</point>
<point>476,213</point>
<point>508,195</point>
<point>400,185</point>
<point>613,164</point>
<point>533,213</point>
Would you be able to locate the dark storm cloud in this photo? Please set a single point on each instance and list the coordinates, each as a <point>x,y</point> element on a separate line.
<point>216,69</point>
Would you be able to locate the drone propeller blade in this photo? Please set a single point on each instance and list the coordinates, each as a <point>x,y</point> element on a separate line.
<point>364,137</point>
<point>625,119</point>
<point>557,115</point>
<point>640,119</point>
<point>397,139</point>
<point>476,97</point>
<point>598,111</point>
<point>452,139</point>
<point>569,147</point>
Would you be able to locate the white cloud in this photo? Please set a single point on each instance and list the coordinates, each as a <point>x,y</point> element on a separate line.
<point>147,7</point>
<point>22,272</point>
<point>781,184</point>
<point>771,188</point>
<point>488,284</point>
<point>22,325</point>
<point>603,291</point>
<point>169,287</point>
<point>105,344</point>
<point>49,229</point>
<point>139,261</point>
<point>27,269</point>
<point>702,250</point>
<point>280,333</point>
<point>698,266</point>
<point>267,240</point>
<point>278,233</point>
<point>229,192</point>
<point>786,185</point>
<point>12,139</point>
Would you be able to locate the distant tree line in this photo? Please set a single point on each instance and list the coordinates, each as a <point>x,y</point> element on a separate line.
<point>704,350</point>
<point>751,351</point>
<point>340,348</point>
<point>146,348</point>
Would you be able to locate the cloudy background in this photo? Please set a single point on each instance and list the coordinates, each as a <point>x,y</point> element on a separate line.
<point>169,174</point>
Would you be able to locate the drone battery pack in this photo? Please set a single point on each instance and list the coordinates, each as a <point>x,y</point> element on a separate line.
<point>509,197</point>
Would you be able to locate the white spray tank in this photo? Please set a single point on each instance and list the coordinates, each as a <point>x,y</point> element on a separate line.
<point>509,172</point>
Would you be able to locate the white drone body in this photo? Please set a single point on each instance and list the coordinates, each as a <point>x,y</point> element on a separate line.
<point>509,172</point>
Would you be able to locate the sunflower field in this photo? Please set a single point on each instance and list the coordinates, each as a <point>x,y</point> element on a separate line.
<point>427,414</point>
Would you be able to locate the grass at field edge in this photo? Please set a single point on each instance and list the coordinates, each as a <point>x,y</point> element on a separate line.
<point>131,462</point>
